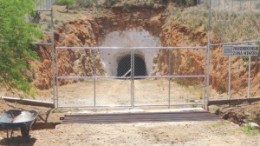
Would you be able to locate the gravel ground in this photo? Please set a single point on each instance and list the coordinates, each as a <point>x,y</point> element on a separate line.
<point>154,133</point>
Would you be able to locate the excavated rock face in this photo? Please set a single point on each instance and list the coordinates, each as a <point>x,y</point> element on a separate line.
<point>183,61</point>
<point>125,19</point>
<point>76,33</point>
<point>193,62</point>
<point>89,32</point>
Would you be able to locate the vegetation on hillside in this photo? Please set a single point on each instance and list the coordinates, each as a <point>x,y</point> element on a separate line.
<point>66,2</point>
<point>131,3</point>
<point>16,36</point>
<point>228,26</point>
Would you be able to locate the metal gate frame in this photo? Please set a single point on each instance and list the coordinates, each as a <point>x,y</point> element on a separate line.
<point>132,77</point>
<point>208,48</point>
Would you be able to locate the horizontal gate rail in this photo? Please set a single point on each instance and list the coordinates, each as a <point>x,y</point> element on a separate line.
<point>142,77</point>
<point>111,48</point>
<point>136,106</point>
<point>235,43</point>
<point>168,102</point>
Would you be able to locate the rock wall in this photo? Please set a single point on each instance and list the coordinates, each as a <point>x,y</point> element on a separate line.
<point>91,31</point>
<point>193,62</point>
<point>88,31</point>
<point>70,62</point>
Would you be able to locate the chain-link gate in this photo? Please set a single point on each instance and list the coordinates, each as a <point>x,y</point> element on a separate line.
<point>129,79</point>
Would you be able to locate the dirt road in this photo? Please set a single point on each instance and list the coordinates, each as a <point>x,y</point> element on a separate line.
<point>217,133</point>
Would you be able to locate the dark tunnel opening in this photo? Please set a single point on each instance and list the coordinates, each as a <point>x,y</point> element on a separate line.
<point>124,66</point>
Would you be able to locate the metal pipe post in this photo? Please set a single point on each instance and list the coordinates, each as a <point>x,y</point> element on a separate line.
<point>229,77</point>
<point>54,64</point>
<point>55,78</point>
<point>95,78</point>
<point>240,4</point>
<point>132,78</point>
<point>249,77</point>
<point>208,58</point>
<point>170,73</point>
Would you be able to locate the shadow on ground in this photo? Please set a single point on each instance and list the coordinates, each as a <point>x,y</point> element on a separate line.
<point>14,141</point>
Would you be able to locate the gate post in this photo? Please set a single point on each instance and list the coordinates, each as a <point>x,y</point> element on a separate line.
<point>54,64</point>
<point>229,77</point>
<point>249,77</point>
<point>132,78</point>
<point>207,94</point>
<point>94,74</point>
<point>170,74</point>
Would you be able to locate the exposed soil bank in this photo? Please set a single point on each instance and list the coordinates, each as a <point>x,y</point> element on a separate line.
<point>88,30</point>
<point>158,133</point>
<point>240,113</point>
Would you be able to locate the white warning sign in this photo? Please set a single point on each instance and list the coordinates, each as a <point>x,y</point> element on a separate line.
<point>241,50</point>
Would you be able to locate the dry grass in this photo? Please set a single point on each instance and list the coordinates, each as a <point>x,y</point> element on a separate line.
<point>119,3</point>
<point>228,26</point>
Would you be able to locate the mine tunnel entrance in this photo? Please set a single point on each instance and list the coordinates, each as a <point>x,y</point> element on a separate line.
<point>124,66</point>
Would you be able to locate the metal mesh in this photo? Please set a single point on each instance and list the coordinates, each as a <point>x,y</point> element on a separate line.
<point>78,93</point>
<point>234,22</point>
<point>44,4</point>
<point>219,75</point>
<point>230,80</point>
<point>77,63</point>
<point>124,68</point>
<point>126,77</point>
<point>182,93</point>
<point>112,86</point>
<point>113,92</point>
<point>151,91</point>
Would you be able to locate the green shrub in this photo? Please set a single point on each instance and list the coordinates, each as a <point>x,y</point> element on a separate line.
<point>249,130</point>
<point>87,3</point>
<point>186,2</point>
<point>110,3</point>
<point>65,2</point>
<point>17,35</point>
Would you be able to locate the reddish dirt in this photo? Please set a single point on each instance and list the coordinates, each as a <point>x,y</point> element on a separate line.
<point>240,113</point>
<point>156,133</point>
<point>88,30</point>
<point>193,62</point>
<point>76,33</point>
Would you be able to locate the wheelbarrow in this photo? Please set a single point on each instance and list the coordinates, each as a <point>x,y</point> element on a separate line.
<point>14,119</point>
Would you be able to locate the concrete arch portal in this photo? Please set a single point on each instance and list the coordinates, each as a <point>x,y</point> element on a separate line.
<point>124,66</point>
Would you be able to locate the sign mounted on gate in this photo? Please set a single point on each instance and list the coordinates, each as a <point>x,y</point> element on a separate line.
<point>241,50</point>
